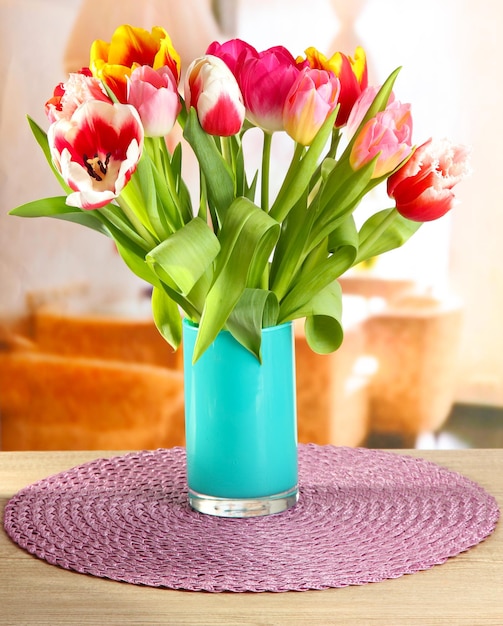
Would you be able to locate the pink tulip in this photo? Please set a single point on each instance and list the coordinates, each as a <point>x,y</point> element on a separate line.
<point>422,188</point>
<point>154,94</point>
<point>265,83</point>
<point>67,97</point>
<point>388,136</point>
<point>234,53</point>
<point>210,87</point>
<point>361,107</point>
<point>96,151</point>
<point>311,99</point>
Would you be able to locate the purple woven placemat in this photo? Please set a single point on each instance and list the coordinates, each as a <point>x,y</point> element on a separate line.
<point>363,516</point>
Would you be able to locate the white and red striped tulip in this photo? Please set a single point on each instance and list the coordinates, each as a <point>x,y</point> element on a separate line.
<point>96,151</point>
<point>211,88</point>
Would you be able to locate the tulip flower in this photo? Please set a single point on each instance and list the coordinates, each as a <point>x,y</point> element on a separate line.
<point>265,82</point>
<point>96,151</point>
<point>129,48</point>
<point>388,136</point>
<point>311,100</point>
<point>422,188</point>
<point>210,87</point>
<point>360,109</point>
<point>352,74</point>
<point>234,53</point>
<point>67,97</point>
<point>154,94</point>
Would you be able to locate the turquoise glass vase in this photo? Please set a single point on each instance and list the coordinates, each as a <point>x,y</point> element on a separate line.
<point>241,424</point>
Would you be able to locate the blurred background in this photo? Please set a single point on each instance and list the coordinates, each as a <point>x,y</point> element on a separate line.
<point>81,365</point>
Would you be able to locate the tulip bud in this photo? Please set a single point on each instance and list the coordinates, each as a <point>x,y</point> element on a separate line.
<point>422,188</point>
<point>210,87</point>
<point>265,82</point>
<point>387,136</point>
<point>154,94</point>
<point>234,53</point>
<point>311,100</point>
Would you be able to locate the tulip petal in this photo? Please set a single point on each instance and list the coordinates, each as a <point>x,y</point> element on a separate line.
<point>96,151</point>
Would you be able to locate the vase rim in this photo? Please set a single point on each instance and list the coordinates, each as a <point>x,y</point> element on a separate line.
<point>191,324</point>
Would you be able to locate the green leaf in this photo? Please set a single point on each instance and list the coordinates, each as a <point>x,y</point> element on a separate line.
<point>255,309</point>
<point>345,235</point>
<point>340,194</point>
<point>160,222</point>
<point>181,188</point>
<point>247,238</point>
<point>288,254</point>
<point>134,258</point>
<point>323,325</point>
<point>300,172</point>
<point>57,207</point>
<point>317,277</point>
<point>217,173</point>
<point>384,231</point>
<point>121,228</point>
<point>167,317</point>
<point>41,138</point>
<point>185,256</point>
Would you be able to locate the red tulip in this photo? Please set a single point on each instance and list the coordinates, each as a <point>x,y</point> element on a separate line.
<point>210,87</point>
<point>351,72</point>
<point>422,188</point>
<point>96,151</point>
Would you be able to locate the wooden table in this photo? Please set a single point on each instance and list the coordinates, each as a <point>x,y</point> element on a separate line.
<point>467,590</point>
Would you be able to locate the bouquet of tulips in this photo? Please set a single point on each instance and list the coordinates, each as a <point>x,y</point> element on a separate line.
<point>240,259</point>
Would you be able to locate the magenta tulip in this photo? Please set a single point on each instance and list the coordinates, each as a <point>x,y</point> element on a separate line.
<point>265,83</point>
<point>422,188</point>
<point>312,98</point>
<point>387,136</point>
<point>234,53</point>
<point>210,87</point>
<point>96,151</point>
<point>154,94</point>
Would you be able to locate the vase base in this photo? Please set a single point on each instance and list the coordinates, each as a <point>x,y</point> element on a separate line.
<point>244,507</point>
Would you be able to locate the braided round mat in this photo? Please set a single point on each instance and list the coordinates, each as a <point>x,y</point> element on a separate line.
<point>363,515</point>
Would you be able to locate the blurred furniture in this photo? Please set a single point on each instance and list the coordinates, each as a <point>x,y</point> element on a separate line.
<point>83,371</point>
<point>90,371</point>
<point>332,389</point>
<point>415,341</point>
<point>74,376</point>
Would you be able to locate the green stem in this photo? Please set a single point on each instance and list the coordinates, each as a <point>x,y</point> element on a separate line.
<point>136,223</point>
<point>226,150</point>
<point>266,166</point>
<point>369,241</point>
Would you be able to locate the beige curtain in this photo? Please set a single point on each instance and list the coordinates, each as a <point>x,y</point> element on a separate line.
<point>190,24</point>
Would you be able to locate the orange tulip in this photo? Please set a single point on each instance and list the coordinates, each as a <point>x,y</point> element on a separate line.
<point>132,47</point>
